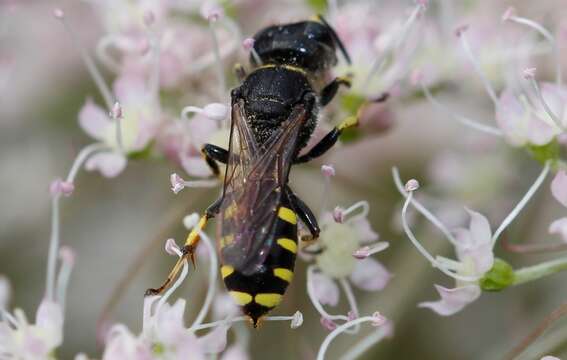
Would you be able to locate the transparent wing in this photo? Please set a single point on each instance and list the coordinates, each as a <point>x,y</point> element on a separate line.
<point>254,183</point>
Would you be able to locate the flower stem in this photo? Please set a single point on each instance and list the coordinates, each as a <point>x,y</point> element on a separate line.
<point>531,273</point>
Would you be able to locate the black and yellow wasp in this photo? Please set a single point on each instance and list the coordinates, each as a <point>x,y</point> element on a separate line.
<point>274,113</point>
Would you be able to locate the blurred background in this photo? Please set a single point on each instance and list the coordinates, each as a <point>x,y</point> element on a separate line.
<point>112,223</point>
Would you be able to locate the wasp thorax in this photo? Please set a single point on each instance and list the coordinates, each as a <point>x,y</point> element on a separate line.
<point>339,242</point>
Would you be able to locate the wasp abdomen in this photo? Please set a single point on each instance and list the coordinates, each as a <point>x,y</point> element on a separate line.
<point>261,291</point>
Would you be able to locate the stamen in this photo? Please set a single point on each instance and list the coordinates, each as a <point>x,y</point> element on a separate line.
<point>476,66</point>
<point>59,187</point>
<point>248,45</point>
<point>353,313</point>
<point>116,115</point>
<point>83,155</point>
<point>213,111</point>
<point>376,319</point>
<point>393,50</point>
<point>422,209</point>
<point>462,119</point>
<point>339,215</point>
<point>53,247</point>
<point>422,250</point>
<point>190,221</point>
<point>529,74</point>
<point>318,306</point>
<point>296,319</point>
<point>509,15</point>
<point>366,343</point>
<point>178,183</point>
<point>5,293</point>
<point>367,251</point>
<point>213,273</point>
<point>180,279</point>
<point>67,256</point>
<point>91,67</point>
<point>328,172</point>
<point>363,205</point>
<point>212,13</point>
<point>171,248</point>
<point>220,322</point>
<point>155,46</point>
<point>531,191</point>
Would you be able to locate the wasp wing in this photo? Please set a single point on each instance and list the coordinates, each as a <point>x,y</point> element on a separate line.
<point>254,184</point>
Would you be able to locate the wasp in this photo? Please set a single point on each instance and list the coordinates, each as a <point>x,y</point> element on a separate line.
<point>273,115</point>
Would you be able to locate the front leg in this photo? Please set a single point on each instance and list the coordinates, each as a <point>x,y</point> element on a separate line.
<point>330,90</point>
<point>328,141</point>
<point>212,154</point>
<point>332,136</point>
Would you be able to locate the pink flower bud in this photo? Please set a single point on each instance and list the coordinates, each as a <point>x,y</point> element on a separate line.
<point>116,112</point>
<point>212,11</point>
<point>328,170</point>
<point>171,247</point>
<point>508,13</point>
<point>461,30</point>
<point>67,255</point>
<point>379,319</point>
<point>328,323</point>
<point>60,187</point>
<point>58,13</point>
<point>248,44</point>
<point>412,185</point>
<point>338,215</point>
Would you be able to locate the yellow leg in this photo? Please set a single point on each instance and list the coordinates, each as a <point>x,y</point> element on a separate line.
<point>188,252</point>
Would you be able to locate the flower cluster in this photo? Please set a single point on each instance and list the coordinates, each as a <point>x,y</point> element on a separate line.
<point>161,69</point>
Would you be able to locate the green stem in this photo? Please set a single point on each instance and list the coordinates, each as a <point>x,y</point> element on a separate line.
<point>535,272</point>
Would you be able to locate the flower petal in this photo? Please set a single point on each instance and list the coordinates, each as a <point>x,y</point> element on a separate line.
<point>559,187</point>
<point>109,164</point>
<point>49,317</point>
<point>325,289</point>
<point>215,341</point>
<point>364,230</point>
<point>195,166</point>
<point>510,117</point>
<point>94,120</point>
<point>452,300</point>
<point>559,227</point>
<point>370,275</point>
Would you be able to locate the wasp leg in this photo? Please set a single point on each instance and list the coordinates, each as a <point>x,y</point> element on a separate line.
<point>332,136</point>
<point>330,90</point>
<point>239,71</point>
<point>212,154</point>
<point>328,141</point>
<point>189,248</point>
<point>305,214</point>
